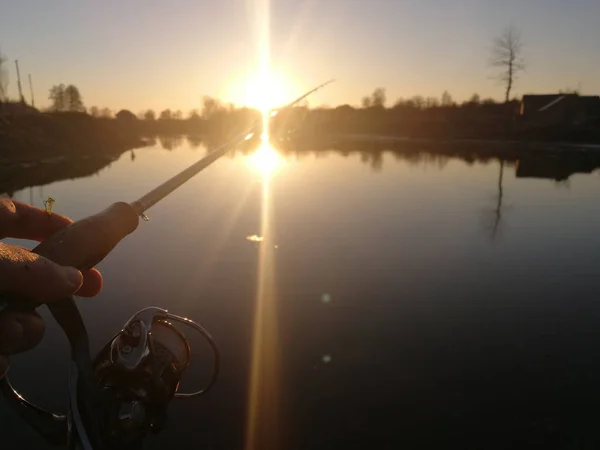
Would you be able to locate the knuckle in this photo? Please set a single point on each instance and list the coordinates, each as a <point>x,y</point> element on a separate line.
<point>8,205</point>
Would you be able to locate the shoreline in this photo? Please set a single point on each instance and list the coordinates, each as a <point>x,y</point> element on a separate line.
<point>39,138</point>
<point>32,137</point>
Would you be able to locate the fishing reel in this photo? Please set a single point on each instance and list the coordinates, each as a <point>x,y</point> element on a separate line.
<point>128,387</point>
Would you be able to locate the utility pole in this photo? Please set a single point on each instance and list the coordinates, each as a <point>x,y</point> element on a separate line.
<point>19,82</point>
<point>31,90</point>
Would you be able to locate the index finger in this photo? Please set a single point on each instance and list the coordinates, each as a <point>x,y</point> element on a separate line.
<point>21,221</point>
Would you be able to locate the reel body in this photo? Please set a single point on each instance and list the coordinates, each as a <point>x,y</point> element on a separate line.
<point>134,378</point>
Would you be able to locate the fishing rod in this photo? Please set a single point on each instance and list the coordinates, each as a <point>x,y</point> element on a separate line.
<point>122,394</point>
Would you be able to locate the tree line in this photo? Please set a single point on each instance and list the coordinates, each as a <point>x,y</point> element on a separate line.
<point>505,60</point>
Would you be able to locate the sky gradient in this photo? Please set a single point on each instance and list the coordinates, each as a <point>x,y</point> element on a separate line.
<point>157,54</point>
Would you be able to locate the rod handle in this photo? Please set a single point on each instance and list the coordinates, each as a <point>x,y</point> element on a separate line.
<point>85,243</point>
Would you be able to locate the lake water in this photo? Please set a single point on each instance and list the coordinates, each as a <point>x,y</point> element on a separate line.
<point>394,301</point>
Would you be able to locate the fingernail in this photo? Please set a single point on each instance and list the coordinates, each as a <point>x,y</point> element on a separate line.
<point>74,276</point>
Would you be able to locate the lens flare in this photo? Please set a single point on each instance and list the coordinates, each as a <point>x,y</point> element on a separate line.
<point>264,414</point>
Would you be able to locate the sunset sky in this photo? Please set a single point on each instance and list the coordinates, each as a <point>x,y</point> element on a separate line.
<point>156,54</point>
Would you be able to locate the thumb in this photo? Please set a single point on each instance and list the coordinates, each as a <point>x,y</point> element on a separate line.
<point>33,277</point>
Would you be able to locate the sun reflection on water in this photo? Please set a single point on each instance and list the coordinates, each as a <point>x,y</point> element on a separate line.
<point>265,160</point>
<point>264,412</point>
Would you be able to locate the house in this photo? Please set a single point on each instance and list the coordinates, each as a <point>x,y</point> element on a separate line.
<point>559,109</point>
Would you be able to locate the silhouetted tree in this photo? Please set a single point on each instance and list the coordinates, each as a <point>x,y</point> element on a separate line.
<point>431,102</point>
<point>177,115</point>
<point>474,100</point>
<point>3,78</point>
<point>210,107</point>
<point>166,114</point>
<point>506,57</point>
<point>125,116</point>
<point>193,115</point>
<point>65,98</point>
<point>418,101</point>
<point>94,111</point>
<point>400,103</point>
<point>150,115</point>
<point>57,97</point>
<point>447,99</point>
<point>106,113</point>
<point>366,102</point>
<point>378,97</point>
<point>72,99</point>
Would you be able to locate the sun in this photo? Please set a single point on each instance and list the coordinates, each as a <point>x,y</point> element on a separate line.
<point>266,161</point>
<point>264,90</point>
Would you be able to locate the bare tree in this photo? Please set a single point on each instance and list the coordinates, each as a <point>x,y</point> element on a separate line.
<point>506,57</point>
<point>3,79</point>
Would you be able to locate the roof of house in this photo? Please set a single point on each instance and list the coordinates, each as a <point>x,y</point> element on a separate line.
<point>591,103</point>
<point>540,103</point>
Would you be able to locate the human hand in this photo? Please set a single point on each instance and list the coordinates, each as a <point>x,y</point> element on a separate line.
<point>25,275</point>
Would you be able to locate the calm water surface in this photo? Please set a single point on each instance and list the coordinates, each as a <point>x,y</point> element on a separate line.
<point>392,303</point>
